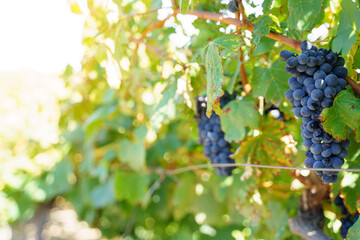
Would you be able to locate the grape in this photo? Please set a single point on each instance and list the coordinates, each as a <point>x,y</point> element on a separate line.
<point>326,102</point>
<point>317,78</point>
<point>216,148</point>
<point>305,111</point>
<point>309,162</point>
<point>326,67</point>
<point>291,62</point>
<point>339,62</point>
<point>342,83</point>
<point>302,68</point>
<point>298,94</point>
<point>319,75</point>
<point>340,71</point>
<point>316,148</point>
<point>310,71</point>
<point>345,143</point>
<point>303,59</point>
<point>331,58</point>
<point>233,7</point>
<point>317,94</point>
<point>304,100</point>
<point>348,219</point>
<point>308,81</point>
<point>305,45</point>
<point>312,62</point>
<point>297,112</point>
<point>313,105</point>
<point>329,92</point>
<point>331,80</point>
<point>326,153</point>
<point>320,84</point>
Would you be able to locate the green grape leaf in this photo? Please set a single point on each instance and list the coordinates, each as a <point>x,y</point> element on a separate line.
<point>304,14</point>
<point>357,59</point>
<point>265,147</point>
<point>183,195</point>
<point>215,79</point>
<point>354,231</point>
<point>261,28</point>
<point>270,82</point>
<point>265,45</point>
<point>231,43</point>
<point>348,26</point>
<point>103,194</point>
<point>236,117</point>
<point>266,5</point>
<point>165,109</point>
<point>131,186</point>
<point>184,6</point>
<point>133,152</point>
<point>344,113</point>
<point>278,217</point>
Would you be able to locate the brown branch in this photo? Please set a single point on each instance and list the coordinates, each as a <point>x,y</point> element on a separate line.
<point>250,27</point>
<point>156,25</point>
<point>242,12</point>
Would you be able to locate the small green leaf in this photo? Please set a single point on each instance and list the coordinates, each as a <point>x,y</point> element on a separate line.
<point>344,113</point>
<point>236,117</point>
<point>184,6</point>
<point>348,26</point>
<point>231,43</point>
<point>304,14</point>
<point>103,194</point>
<point>215,79</point>
<point>354,231</point>
<point>133,152</point>
<point>270,82</point>
<point>261,28</point>
<point>131,186</point>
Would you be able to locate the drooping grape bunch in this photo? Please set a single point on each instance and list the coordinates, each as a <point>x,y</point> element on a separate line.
<point>216,148</point>
<point>317,78</point>
<point>348,219</point>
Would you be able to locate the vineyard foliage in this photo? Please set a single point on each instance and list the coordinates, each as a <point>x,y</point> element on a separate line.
<point>128,120</point>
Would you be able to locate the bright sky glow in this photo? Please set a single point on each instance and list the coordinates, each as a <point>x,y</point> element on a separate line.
<point>41,35</point>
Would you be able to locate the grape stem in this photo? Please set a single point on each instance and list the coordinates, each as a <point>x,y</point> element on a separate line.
<point>250,27</point>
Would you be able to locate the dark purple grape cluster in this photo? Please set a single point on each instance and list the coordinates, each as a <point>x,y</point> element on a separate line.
<point>233,6</point>
<point>348,220</point>
<point>318,76</point>
<point>216,148</point>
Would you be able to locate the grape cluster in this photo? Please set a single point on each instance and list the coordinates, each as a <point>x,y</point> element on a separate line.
<point>317,78</point>
<point>233,6</point>
<point>348,220</point>
<point>216,148</point>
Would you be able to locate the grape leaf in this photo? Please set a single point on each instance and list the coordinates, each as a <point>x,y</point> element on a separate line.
<point>350,187</point>
<point>270,82</point>
<point>236,117</point>
<point>304,13</point>
<point>131,186</point>
<point>261,28</point>
<point>348,26</point>
<point>133,152</point>
<point>103,194</point>
<point>344,113</point>
<point>165,109</point>
<point>354,231</point>
<point>266,5</point>
<point>183,195</point>
<point>184,6</point>
<point>231,43</point>
<point>266,147</point>
<point>357,59</point>
<point>215,79</point>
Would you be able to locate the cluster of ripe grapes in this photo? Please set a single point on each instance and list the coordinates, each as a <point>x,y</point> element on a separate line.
<point>348,220</point>
<point>317,78</point>
<point>216,148</point>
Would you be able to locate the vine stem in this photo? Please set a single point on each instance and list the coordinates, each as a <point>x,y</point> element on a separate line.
<point>200,166</point>
<point>295,44</point>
